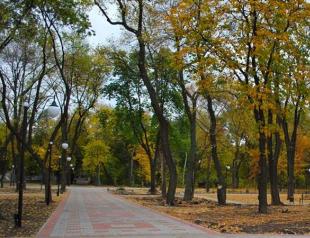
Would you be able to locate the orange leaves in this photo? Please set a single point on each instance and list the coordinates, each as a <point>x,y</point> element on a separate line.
<point>302,154</point>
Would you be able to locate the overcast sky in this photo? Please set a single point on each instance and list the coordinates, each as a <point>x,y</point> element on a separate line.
<point>104,31</point>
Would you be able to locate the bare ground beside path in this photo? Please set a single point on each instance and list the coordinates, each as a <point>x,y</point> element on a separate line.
<point>35,211</point>
<point>233,218</point>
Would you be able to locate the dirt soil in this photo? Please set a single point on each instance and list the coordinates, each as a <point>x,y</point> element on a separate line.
<point>35,212</point>
<point>231,218</point>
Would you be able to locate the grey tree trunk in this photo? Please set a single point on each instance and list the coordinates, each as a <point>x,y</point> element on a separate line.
<point>221,185</point>
<point>163,178</point>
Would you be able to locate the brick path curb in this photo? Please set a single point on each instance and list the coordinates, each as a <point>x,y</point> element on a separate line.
<point>48,226</point>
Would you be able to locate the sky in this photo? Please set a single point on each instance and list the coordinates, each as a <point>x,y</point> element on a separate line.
<point>104,31</point>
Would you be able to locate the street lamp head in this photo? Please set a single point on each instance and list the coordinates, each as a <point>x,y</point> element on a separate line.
<point>26,105</point>
<point>64,145</point>
<point>69,159</point>
<point>227,167</point>
<point>71,165</point>
<point>53,110</point>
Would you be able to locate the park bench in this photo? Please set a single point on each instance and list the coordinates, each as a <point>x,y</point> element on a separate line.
<point>82,181</point>
<point>304,196</point>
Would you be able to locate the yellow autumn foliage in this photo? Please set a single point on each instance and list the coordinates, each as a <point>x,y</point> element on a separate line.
<point>144,164</point>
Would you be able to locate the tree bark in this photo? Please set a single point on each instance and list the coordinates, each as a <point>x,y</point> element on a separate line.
<point>164,131</point>
<point>190,169</point>
<point>153,162</point>
<point>208,174</point>
<point>273,156</point>
<point>235,175</point>
<point>262,176</point>
<point>163,178</point>
<point>221,185</point>
<point>191,115</point>
<point>157,105</point>
<point>163,123</point>
<point>1,180</point>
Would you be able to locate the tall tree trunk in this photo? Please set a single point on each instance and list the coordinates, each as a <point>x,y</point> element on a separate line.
<point>109,177</point>
<point>235,167</point>
<point>235,176</point>
<point>208,174</point>
<point>153,162</point>
<point>273,156</point>
<point>48,192</point>
<point>290,173</point>
<point>164,131</point>
<point>190,169</point>
<point>1,180</point>
<point>221,185</point>
<point>163,177</point>
<point>131,175</point>
<point>290,143</point>
<point>64,158</point>
<point>163,123</point>
<point>262,176</point>
<point>191,115</point>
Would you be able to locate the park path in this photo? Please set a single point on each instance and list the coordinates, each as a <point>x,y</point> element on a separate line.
<point>94,212</point>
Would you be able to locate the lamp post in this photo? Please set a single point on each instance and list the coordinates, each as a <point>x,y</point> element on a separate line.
<point>48,190</point>
<point>12,176</point>
<point>58,176</point>
<point>64,147</point>
<point>52,112</point>
<point>68,170</point>
<point>70,174</point>
<point>227,169</point>
<point>18,216</point>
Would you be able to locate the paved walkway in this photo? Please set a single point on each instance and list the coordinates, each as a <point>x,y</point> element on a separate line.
<point>93,212</point>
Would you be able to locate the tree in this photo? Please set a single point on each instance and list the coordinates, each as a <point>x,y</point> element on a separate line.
<point>126,87</point>
<point>128,9</point>
<point>96,156</point>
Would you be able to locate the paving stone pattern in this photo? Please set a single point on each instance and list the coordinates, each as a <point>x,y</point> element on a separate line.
<point>93,212</point>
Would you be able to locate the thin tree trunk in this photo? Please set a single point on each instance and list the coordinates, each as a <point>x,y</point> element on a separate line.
<point>290,143</point>
<point>262,176</point>
<point>235,167</point>
<point>208,174</point>
<point>191,115</point>
<point>221,185</point>
<point>190,169</point>
<point>290,174</point>
<point>153,162</point>
<point>273,162</point>
<point>163,178</point>
<point>164,132</point>
<point>48,192</point>
<point>1,181</point>
<point>235,176</point>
